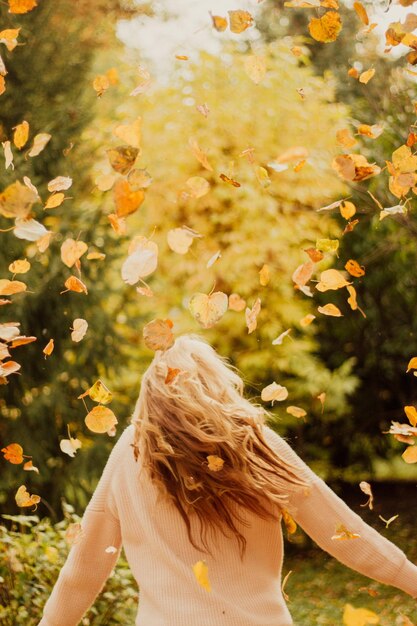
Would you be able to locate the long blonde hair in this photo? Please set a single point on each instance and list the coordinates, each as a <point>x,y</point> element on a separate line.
<point>191,407</point>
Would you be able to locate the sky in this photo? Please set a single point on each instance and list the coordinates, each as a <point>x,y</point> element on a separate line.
<point>189,28</point>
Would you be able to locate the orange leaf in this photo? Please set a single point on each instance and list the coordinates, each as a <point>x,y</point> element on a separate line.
<point>49,348</point>
<point>75,284</point>
<point>158,335</point>
<point>22,6</point>
<point>13,453</point>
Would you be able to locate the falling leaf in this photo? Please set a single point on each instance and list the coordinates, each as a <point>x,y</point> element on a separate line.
<point>72,251</point>
<point>264,276</point>
<point>60,183</point>
<point>367,490</point>
<point>75,284</point>
<point>21,341</point>
<point>55,200</point>
<point>100,84</point>
<point>366,76</point>
<point>9,37</point>
<point>284,582</point>
<point>144,81</point>
<point>236,303</point>
<point>219,23</point>
<point>31,230</point>
<point>217,255</point>
<point>198,186</point>
<point>325,28</point>
<point>23,498</point>
<point>296,411</point>
<point>410,454</point>
<point>278,340</point>
<point>358,617</point>
<point>208,309</point>
<point>229,180</point>
<point>105,182</point>
<point>8,154</point>
<point>29,467</point>
<point>412,365</point>
<point>39,142</point>
<point>361,12</point>
<point>251,315</point>
<point>303,273</point>
<point>307,319</point>
<point>9,330</point>
<point>274,392</point>
<point>327,245</point>
<point>96,256</point>
<point>10,287</point>
<point>19,267</point>
<point>22,6</point>
<point>347,209</point>
<point>117,223</point>
<point>99,393</point>
<point>411,413</point>
<point>343,533</point>
<point>49,348</point>
<point>13,453</point>
<point>330,309</point>
<point>389,521</point>
<point>255,67</point>
<point>70,446</point>
<point>393,210</point>
<point>262,176</point>
<point>79,329</point>
<point>139,179</point>
<point>100,419</point>
<point>141,262</point>
<point>130,133</point>
<point>200,570</point>
<point>215,463</point>
<point>158,334</point>
<point>199,154</point>
<point>345,139</point>
<point>354,167</point>
<point>122,158</point>
<point>126,199</point>
<point>240,20</point>
<point>354,268</point>
<point>21,134</point>
<point>172,374</point>
<point>9,367</point>
<point>180,239</point>
<point>203,109</point>
<point>331,279</point>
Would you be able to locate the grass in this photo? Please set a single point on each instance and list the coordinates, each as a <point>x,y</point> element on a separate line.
<point>319,586</point>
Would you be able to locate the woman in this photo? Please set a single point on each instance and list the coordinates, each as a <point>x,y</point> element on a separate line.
<point>199,477</point>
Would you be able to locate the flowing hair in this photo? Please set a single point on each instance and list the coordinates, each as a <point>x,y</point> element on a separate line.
<point>191,407</point>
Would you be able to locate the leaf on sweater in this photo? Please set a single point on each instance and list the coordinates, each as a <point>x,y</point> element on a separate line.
<point>290,524</point>
<point>343,533</point>
<point>200,570</point>
<point>74,533</point>
<point>358,617</point>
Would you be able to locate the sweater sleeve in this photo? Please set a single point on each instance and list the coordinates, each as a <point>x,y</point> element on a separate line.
<point>88,565</point>
<point>319,512</point>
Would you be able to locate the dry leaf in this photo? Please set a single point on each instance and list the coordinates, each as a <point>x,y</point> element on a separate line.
<point>21,134</point>
<point>158,334</point>
<point>325,28</point>
<point>130,133</point>
<point>208,309</point>
<point>240,21</point>
<point>215,463</point>
<point>100,419</point>
<point>49,348</point>
<point>251,315</point>
<point>330,309</point>
<point>21,266</point>
<point>98,392</point>
<point>274,392</point>
<point>79,329</point>
<point>23,498</point>
<point>72,251</point>
<point>39,142</point>
<point>13,453</point>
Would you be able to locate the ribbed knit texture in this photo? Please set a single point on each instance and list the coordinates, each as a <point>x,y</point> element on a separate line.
<point>125,511</point>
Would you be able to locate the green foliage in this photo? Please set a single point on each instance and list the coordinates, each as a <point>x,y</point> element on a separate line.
<point>32,553</point>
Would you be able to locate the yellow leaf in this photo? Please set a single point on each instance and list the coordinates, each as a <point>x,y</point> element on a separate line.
<point>358,617</point>
<point>54,200</point>
<point>9,37</point>
<point>236,303</point>
<point>39,142</point>
<point>354,268</point>
<point>75,284</point>
<point>345,139</point>
<point>251,315</point>
<point>274,392</point>
<point>49,348</point>
<point>361,12</point>
<point>100,84</point>
<point>331,279</point>
<point>262,176</point>
<point>327,245</point>
<point>347,209</point>
<point>180,239</point>
<point>412,365</point>
<point>208,309</point>
<point>22,6</point>
<point>344,534</point>
<point>72,251</point>
<point>10,287</point>
<point>200,570</point>
<point>19,267</point>
<point>290,524</point>
<point>219,23</point>
<point>23,498</point>
<point>366,76</point>
<point>410,454</point>
<point>158,334</point>
<point>21,134</point>
<point>215,463</point>
<point>330,309</point>
<point>126,199</point>
<point>255,67</point>
<point>325,28</point>
<point>100,419</point>
<point>99,393</point>
<point>296,411</point>
<point>403,159</point>
<point>240,21</point>
<point>130,133</point>
<point>306,321</point>
<point>122,158</point>
<point>264,276</point>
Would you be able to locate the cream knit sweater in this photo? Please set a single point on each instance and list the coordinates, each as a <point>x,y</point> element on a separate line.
<point>125,511</point>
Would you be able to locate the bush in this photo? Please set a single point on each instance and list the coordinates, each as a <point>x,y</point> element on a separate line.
<point>32,553</point>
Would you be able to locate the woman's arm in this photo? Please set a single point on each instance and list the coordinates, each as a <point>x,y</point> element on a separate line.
<point>319,511</point>
<point>88,565</point>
